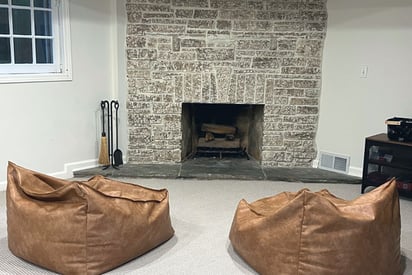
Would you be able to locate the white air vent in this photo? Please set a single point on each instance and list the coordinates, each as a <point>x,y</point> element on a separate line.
<point>334,162</point>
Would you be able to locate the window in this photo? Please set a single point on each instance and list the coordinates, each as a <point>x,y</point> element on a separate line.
<point>34,40</point>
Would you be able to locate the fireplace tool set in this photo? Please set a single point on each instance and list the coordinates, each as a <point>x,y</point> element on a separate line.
<point>110,156</point>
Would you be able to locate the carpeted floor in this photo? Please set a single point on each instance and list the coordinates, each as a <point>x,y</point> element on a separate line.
<point>202,212</point>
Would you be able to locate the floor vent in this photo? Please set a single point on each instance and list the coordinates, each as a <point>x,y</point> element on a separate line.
<point>334,162</point>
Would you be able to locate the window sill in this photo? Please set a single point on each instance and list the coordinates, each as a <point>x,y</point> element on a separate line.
<point>27,78</point>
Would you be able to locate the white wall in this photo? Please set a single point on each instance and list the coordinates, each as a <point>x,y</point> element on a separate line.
<point>53,127</point>
<point>378,34</point>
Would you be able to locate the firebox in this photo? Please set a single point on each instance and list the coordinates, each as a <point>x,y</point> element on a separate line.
<point>217,129</point>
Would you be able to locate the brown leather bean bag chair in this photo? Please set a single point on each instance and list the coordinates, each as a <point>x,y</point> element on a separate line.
<point>317,233</point>
<point>90,227</point>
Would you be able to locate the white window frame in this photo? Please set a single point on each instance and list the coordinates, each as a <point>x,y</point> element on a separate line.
<point>61,53</point>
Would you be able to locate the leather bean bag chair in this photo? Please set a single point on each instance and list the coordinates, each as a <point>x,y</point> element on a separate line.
<point>317,233</point>
<point>75,227</point>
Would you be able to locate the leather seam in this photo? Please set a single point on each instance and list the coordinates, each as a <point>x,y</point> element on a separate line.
<point>300,233</point>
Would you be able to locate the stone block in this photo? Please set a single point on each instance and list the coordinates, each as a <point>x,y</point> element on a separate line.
<point>187,88</point>
<point>282,5</point>
<point>167,155</point>
<point>304,101</point>
<point>173,56</point>
<point>237,15</point>
<point>192,43</point>
<point>314,16</point>
<point>191,3</point>
<point>137,29</point>
<point>273,140</point>
<point>232,89</point>
<point>260,45</point>
<point>223,77</point>
<point>287,110</point>
<point>167,29</point>
<point>307,110</point>
<point>165,21</point>
<point>286,44</point>
<point>197,87</point>
<point>205,14</point>
<point>164,2</point>
<point>165,47</point>
<point>156,15</point>
<point>266,63</point>
<point>175,43</point>
<point>149,7</point>
<point>284,83</point>
<point>282,26</point>
<point>166,108</point>
<point>224,24</point>
<point>240,88</point>
<point>301,119</point>
<point>305,127</point>
<point>296,135</point>
<point>300,70</point>
<point>215,54</point>
<point>201,24</point>
<point>178,88</point>
<point>313,5</point>
<point>310,48</point>
<point>213,43</point>
<point>252,25</point>
<point>280,100</point>
<point>134,16</point>
<point>312,93</point>
<point>205,88</point>
<point>149,54</point>
<point>140,120</point>
<point>138,74</point>
<point>294,61</point>
<point>250,88</point>
<point>298,83</point>
<point>255,4</point>
<point>228,4</point>
<point>135,41</point>
<point>314,26</point>
<point>218,34</point>
<point>184,13</point>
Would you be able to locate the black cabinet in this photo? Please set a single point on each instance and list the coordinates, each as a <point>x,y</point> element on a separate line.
<point>385,159</point>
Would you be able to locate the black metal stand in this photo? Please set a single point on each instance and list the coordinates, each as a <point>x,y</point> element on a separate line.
<point>109,106</point>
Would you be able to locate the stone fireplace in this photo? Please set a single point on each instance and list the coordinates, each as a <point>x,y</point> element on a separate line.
<point>254,65</point>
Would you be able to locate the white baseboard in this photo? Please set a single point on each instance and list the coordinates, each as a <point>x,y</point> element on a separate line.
<point>74,166</point>
<point>355,171</point>
<point>67,171</point>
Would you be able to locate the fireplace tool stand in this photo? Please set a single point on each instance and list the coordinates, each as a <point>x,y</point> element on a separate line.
<point>115,155</point>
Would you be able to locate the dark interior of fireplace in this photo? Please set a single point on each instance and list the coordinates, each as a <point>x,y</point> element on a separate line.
<point>229,130</point>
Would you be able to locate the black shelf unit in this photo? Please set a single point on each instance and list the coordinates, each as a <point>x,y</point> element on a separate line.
<point>385,159</point>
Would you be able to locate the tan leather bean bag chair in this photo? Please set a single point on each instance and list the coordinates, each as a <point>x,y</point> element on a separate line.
<point>317,233</point>
<point>90,227</point>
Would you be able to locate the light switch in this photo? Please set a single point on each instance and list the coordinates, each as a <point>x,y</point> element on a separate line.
<point>364,71</point>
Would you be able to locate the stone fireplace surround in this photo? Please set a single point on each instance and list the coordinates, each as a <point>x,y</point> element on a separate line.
<point>257,52</point>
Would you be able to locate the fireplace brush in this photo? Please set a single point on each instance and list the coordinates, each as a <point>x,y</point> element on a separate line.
<point>104,150</point>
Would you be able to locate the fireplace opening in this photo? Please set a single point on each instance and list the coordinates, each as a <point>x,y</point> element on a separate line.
<point>222,129</point>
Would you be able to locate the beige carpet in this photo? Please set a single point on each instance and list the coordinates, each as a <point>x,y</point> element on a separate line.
<point>202,212</point>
